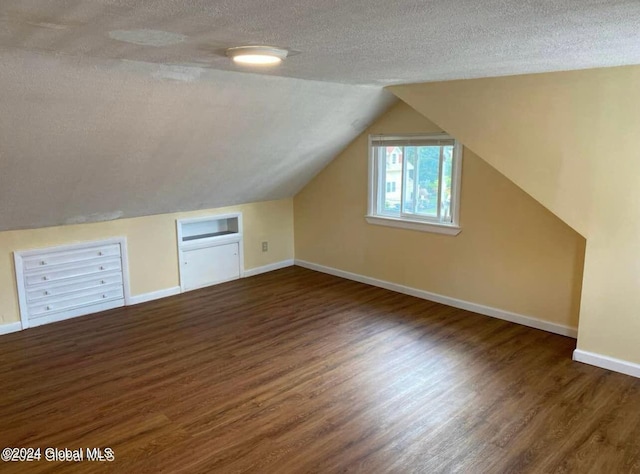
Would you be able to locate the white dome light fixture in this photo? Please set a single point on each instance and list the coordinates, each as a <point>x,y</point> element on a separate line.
<point>259,55</point>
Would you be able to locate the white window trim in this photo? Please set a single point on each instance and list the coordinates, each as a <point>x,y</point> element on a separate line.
<point>452,228</point>
<point>423,226</point>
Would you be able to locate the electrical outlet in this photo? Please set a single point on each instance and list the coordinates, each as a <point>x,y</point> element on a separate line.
<point>265,246</point>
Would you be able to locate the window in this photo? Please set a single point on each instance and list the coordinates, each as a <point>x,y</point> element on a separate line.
<point>415,182</point>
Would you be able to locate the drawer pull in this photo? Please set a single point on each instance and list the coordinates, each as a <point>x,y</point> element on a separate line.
<point>45,278</point>
<point>103,282</point>
<point>46,292</point>
<point>104,296</point>
<point>43,263</point>
<point>100,253</point>
<point>48,308</point>
<point>101,268</point>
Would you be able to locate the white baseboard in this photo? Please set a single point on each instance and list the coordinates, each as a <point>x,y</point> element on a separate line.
<point>456,303</point>
<point>154,295</point>
<point>268,268</point>
<point>606,362</point>
<point>10,327</point>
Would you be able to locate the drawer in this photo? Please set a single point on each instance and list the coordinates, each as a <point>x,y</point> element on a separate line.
<point>47,307</point>
<point>37,262</point>
<point>58,300</point>
<point>69,271</point>
<point>70,285</point>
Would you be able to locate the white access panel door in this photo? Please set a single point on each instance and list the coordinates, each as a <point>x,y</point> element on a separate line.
<point>209,265</point>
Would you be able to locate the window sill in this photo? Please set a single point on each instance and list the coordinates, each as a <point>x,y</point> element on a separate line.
<point>447,229</point>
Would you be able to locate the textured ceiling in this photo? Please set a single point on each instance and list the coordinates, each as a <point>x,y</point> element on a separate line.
<point>122,108</point>
<point>355,41</point>
<point>82,141</point>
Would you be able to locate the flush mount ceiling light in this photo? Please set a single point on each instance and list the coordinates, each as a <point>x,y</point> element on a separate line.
<point>265,55</point>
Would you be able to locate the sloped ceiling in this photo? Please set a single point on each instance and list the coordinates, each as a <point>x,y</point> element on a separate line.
<point>122,108</point>
<point>83,141</point>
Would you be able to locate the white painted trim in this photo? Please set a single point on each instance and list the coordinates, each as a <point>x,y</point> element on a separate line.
<point>457,183</point>
<point>22,293</point>
<point>124,257</point>
<point>268,268</point>
<point>372,183</point>
<point>606,362</point>
<point>456,303</point>
<point>241,243</point>
<point>422,226</point>
<point>154,295</point>
<point>10,327</point>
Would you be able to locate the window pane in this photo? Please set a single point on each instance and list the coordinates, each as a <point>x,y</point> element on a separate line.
<point>414,178</point>
<point>391,168</point>
<point>447,173</point>
<point>428,174</point>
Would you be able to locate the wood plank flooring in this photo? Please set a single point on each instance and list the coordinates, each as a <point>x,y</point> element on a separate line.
<point>296,371</point>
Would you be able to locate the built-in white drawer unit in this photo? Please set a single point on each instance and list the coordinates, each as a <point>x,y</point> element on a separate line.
<point>64,282</point>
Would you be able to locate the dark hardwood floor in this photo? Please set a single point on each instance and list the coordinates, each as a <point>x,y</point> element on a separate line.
<point>297,371</point>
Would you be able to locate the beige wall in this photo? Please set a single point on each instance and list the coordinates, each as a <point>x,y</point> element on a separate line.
<point>152,245</point>
<point>512,253</point>
<point>571,140</point>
